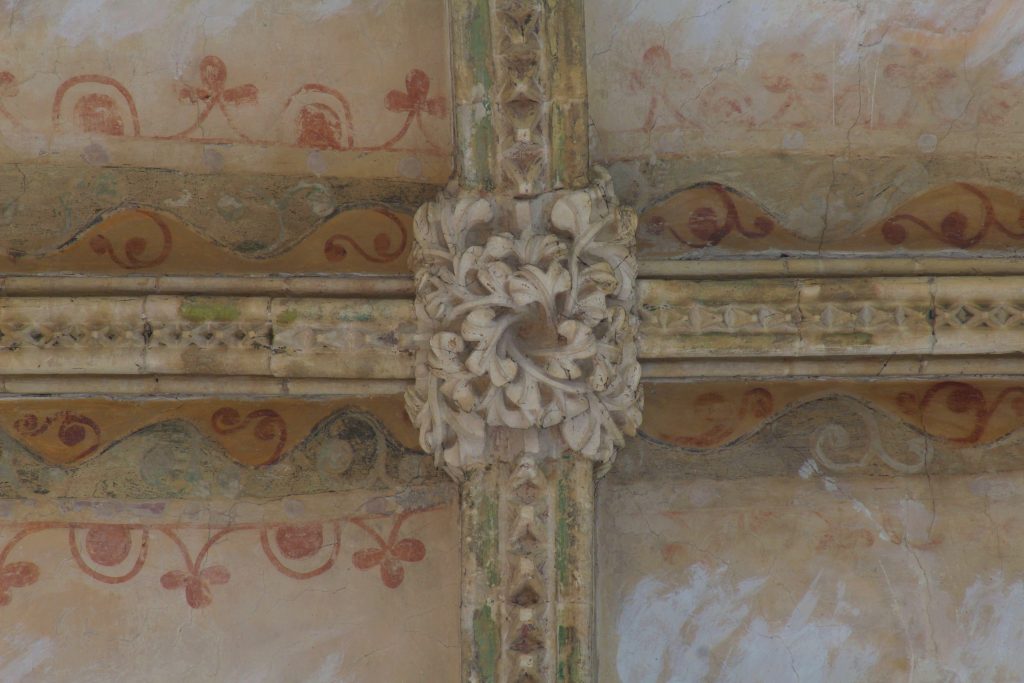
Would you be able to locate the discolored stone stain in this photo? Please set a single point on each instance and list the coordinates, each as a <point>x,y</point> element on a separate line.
<point>197,310</point>
<point>485,540</point>
<point>287,317</point>
<point>486,645</point>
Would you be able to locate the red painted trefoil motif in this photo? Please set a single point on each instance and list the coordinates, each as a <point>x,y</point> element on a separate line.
<point>414,101</point>
<point>196,584</point>
<point>214,75</point>
<point>390,554</point>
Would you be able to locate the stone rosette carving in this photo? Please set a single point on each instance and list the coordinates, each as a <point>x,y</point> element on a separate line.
<point>527,318</point>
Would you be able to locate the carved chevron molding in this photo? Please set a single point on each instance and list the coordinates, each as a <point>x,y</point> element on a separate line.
<point>206,336</point>
<point>795,317</point>
<point>754,326</point>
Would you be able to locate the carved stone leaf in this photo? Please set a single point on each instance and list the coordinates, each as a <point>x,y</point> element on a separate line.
<point>481,327</point>
<point>533,285</point>
<point>525,393</point>
<point>578,344</point>
<point>445,348</point>
<point>494,277</point>
<point>602,276</point>
<point>460,391</point>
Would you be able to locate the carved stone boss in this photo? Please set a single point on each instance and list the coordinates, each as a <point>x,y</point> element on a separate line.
<point>527,316</point>
<point>527,377</point>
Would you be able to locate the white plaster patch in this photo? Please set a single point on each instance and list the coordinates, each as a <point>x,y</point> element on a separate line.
<point>988,632</point>
<point>793,140</point>
<point>984,28</point>
<point>809,469</point>
<point>32,655</point>
<point>802,648</point>
<point>184,21</point>
<point>993,488</point>
<point>182,200</point>
<point>109,20</point>
<point>329,671</point>
<point>918,521</point>
<point>667,633</point>
<point>651,625</point>
<point>316,163</point>
<point>410,167</point>
<point>927,143</point>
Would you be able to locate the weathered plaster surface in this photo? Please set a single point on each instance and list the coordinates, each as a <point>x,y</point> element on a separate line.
<point>829,115</point>
<point>354,587</point>
<point>218,131</point>
<point>88,80</point>
<point>819,578</point>
<point>803,75</point>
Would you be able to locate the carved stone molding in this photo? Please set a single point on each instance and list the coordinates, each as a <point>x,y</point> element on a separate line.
<point>527,315</point>
<point>527,369</point>
<point>528,565</point>
<point>519,77</point>
<point>527,378</point>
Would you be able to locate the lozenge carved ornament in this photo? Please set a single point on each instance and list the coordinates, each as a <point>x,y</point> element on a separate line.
<point>527,316</point>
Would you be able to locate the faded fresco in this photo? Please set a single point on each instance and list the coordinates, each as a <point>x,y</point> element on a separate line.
<point>815,531</point>
<point>813,579</point>
<point>135,136</point>
<point>304,588</point>
<point>230,540</point>
<point>828,117</point>
<point>221,84</point>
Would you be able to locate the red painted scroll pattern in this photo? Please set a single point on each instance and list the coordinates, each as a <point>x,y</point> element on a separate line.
<point>66,437</point>
<point>318,115</point>
<point>135,253</point>
<point>140,239</point>
<point>76,435</point>
<point>944,400</point>
<point>720,418</point>
<point>959,215</point>
<point>705,227</point>
<point>383,252</point>
<point>116,553</point>
<point>267,425</point>
<point>962,414</point>
<point>955,227</point>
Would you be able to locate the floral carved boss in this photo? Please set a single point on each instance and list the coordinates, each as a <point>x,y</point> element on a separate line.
<point>527,316</point>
